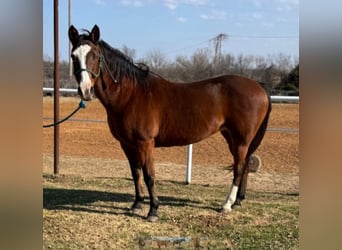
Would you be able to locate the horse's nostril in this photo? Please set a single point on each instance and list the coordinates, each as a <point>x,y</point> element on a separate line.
<point>87,92</point>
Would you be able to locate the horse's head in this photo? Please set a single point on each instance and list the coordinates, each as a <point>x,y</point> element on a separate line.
<point>86,59</point>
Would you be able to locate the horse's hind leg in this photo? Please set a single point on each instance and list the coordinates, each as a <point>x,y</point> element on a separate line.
<point>239,153</point>
<point>243,185</point>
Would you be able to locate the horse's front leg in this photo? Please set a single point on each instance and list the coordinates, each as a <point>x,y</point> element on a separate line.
<point>136,170</point>
<point>146,155</point>
<point>139,195</point>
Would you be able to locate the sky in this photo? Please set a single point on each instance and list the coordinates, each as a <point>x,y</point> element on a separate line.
<point>180,27</point>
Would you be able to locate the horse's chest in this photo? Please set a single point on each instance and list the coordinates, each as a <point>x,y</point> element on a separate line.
<point>119,130</point>
<point>130,130</point>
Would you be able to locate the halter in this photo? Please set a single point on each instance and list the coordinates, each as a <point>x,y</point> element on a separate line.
<point>95,75</point>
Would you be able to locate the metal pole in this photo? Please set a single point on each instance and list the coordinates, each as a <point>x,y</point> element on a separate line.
<point>69,24</point>
<point>189,164</point>
<point>56,90</point>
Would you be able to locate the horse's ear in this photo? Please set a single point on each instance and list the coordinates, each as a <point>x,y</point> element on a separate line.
<point>95,34</point>
<point>73,35</point>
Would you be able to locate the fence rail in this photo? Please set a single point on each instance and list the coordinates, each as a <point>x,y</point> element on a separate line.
<point>274,98</point>
<point>62,90</point>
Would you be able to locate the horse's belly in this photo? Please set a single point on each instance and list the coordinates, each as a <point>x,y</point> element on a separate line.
<point>182,137</point>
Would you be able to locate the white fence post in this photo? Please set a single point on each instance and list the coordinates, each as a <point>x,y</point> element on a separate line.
<point>189,164</point>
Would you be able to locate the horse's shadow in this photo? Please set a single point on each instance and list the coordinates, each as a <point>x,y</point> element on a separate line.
<point>84,200</point>
<point>95,201</point>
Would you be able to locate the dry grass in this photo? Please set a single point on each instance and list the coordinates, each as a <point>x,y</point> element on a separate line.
<point>88,208</point>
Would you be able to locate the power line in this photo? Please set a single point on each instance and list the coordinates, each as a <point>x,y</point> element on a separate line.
<point>233,36</point>
<point>259,36</point>
<point>187,47</point>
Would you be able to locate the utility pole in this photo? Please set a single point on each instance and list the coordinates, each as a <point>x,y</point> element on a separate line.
<point>69,24</point>
<point>218,44</point>
<point>56,86</point>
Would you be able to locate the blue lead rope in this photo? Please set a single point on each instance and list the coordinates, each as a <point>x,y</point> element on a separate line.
<point>82,104</point>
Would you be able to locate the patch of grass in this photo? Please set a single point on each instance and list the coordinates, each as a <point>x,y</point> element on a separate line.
<point>92,212</point>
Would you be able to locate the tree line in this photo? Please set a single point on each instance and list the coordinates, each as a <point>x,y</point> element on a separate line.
<point>279,73</point>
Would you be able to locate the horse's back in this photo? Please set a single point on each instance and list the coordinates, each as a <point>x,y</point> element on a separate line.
<point>236,94</point>
<point>237,85</point>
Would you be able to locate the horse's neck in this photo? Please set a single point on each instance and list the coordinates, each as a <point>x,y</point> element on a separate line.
<point>100,93</point>
<point>113,95</point>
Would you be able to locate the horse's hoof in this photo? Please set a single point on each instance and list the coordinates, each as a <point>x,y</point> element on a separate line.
<point>136,210</point>
<point>152,218</point>
<point>223,210</point>
<point>236,206</point>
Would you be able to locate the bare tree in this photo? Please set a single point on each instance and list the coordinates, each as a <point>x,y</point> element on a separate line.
<point>283,62</point>
<point>129,52</point>
<point>243,65</point>
<point>181,68</point>
<point>156,59</point>
<point>197,67</point>
<point>226,65</point>
<point>201,64</point>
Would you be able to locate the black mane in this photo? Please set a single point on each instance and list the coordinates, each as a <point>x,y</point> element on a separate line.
<point>121,65</point>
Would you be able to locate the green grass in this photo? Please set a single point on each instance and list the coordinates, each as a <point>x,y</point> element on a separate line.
<point>93,213</point>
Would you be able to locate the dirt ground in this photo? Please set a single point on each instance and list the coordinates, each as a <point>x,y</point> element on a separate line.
<point>279,150</point>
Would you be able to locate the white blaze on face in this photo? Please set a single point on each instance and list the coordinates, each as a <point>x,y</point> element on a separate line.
<point>81,54</point>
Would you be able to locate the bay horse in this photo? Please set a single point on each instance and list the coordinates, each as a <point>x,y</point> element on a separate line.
<point>145,111</point>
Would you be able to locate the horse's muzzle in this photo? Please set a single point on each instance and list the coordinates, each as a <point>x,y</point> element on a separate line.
<point>86,94</point>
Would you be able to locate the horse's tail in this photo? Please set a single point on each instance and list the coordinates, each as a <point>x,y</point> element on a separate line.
<point>261,131</point>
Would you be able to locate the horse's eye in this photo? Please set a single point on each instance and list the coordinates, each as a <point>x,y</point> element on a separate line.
<point>91,54</point>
